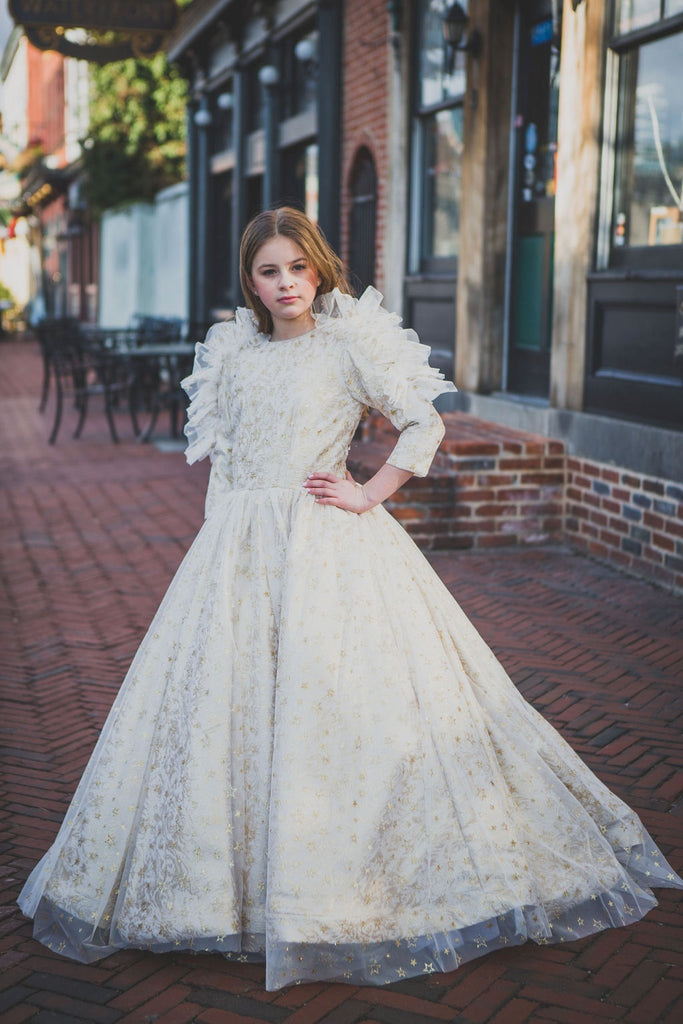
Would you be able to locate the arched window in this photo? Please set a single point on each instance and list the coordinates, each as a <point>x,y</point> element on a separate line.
<point>363,220</point>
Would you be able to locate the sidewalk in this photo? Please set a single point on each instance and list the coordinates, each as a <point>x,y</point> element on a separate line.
<point>92,533</point>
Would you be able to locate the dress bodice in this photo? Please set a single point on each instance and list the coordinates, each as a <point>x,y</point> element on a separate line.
<point>284,412</point>
<point>271,412</point>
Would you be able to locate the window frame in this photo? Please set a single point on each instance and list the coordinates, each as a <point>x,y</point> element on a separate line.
<point>609,256</point>
<point>419,263</point>
<point>292,70</point>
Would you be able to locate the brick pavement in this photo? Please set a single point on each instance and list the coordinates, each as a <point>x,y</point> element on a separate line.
<point>91,536</point>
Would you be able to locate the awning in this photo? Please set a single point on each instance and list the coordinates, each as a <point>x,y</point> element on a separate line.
<point>137,28</point>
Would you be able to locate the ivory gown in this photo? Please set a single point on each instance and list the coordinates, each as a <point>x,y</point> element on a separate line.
<point>315,759</point>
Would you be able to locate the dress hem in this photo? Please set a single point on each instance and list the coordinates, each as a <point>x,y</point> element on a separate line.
<point>362,963</point>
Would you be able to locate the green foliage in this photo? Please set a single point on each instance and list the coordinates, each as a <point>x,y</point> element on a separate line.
<point>136,142</point>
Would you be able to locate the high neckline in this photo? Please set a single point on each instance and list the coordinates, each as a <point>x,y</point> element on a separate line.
<point>284,341</point>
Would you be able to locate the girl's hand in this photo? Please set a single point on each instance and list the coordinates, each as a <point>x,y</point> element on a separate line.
<point>328,489</point>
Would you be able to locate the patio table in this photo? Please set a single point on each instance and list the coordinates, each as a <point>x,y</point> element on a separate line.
<point>154,375</point>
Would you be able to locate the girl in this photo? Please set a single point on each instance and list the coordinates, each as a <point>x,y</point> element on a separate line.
<point>315,759</point>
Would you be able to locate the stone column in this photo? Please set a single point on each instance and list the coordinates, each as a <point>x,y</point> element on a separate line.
<point>576,201</point>
<point>483,217</point>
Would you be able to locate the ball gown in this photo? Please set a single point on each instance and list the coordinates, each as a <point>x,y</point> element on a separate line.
<point>314,759</point>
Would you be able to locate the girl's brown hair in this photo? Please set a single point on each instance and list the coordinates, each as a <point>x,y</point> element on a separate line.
<point>293,224</point>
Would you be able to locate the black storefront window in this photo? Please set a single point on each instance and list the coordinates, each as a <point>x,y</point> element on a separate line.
<point>647,211</point>
<point>262,143</point>
<point>300,71</point>
<point>300,177</point>
<point>222,129</point>
<point>441,184</point>
<point>632,332</point>
<point>298,151</point>
<point>437,137</point>
<point>636,14</point>
<point>255,99</point>
<point>438,90</point>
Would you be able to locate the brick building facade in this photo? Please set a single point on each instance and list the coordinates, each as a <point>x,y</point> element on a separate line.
<point>483,186</point>
<point>45,112</point>
<point>50,123</point>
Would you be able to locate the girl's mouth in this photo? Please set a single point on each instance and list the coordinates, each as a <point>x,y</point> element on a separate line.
<point>288,298</point>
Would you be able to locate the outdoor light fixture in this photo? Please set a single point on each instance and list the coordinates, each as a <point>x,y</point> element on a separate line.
<point>268,75</point>
<point>304,50</point>
<point>202,116</point>
<point>306,57</point>
<point>454,25</point>
<point>225,101</point>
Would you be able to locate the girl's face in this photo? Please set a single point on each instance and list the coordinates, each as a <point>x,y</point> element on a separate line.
<point>286,283</point>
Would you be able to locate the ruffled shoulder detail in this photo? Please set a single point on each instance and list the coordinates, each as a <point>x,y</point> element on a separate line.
<point>390,362</point>
<point>204,417</point>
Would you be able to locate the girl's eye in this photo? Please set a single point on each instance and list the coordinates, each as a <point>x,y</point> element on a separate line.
<point>300,266</point>
<point>267,273</point>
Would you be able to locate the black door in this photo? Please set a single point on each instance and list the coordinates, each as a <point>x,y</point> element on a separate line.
<point>534,200</point>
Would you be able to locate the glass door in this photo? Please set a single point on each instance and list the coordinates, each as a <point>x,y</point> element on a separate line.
<point>534,199</point>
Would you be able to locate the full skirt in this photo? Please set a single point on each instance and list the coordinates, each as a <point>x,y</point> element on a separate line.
<point>316,761</point>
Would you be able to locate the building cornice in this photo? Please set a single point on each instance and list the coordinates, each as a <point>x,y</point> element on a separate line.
<point>193,23</point>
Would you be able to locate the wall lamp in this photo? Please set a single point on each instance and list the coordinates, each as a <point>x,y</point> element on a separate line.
<point>268,75</point>
<point>202,115</point>
<point>454,25</point>
<point>305,50</point>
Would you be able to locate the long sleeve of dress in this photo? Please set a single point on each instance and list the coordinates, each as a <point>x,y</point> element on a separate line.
<point>202,388</point>
<point>208,411</point>
<point>387,368</point>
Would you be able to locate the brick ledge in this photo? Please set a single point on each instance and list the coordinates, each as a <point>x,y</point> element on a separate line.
<point>493,486</point>
<point>489,486</point>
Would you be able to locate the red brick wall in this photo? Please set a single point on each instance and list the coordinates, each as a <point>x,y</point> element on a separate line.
<point>365,107</point>
<point>488,487</point>
<point>491,486</point>
<point>633,520</point>
<point>46,100</point>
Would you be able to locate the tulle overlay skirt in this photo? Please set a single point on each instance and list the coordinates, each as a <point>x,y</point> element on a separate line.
<point>317,761</point>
